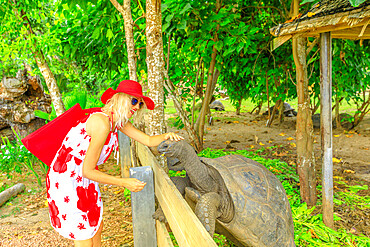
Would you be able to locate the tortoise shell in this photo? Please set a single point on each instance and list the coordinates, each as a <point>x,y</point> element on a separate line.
<point>262,211</point>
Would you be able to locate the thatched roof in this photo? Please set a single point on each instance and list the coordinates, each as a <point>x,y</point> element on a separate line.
<point>337,16</point>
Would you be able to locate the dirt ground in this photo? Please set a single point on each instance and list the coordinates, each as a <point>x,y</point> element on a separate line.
<point>25,222</point>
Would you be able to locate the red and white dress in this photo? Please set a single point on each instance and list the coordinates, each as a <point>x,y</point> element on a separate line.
<point>75,203</point>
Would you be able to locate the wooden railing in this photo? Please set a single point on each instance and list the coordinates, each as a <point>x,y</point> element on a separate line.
<point>185,225</point>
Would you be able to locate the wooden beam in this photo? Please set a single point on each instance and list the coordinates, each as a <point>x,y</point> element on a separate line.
<point>326,128</point>
<point>351,33</point>
<point>163,238</point>
<point>276,42</point>
<point>184,224</point>
<point>339,20</point>
<point>364,28</point>
<point>315,31</point>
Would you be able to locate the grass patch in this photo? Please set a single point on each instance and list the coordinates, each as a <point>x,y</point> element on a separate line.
<point>309,229</point>
<point>248,106</point>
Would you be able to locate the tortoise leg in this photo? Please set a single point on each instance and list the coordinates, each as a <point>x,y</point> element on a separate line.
<point>192,194</point>
<point>181,183</point>
<point>207,211</point>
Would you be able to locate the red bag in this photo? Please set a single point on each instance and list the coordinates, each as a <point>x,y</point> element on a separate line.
<point>45,142</point>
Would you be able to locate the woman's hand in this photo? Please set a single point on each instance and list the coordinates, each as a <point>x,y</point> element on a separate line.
<point>133,185</point>
<point>173,137</point>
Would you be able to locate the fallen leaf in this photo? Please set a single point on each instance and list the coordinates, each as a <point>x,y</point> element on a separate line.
<point>349,136</point>
<point>46,204</point>
<point>335,160</point>
<point>282,134</point>
<point>336,135</point>
<point>290,138</point>
<point>235,121</point>
<point>208,128</point>
<point>293,144</point>
<point>313,234</point>
<point>349,171</point>
<point>269,141</point>
<point>227,142</point>
<point>262,144</point>
<point>251,146</point>
<point>254,122</point>
<point>310,14</point>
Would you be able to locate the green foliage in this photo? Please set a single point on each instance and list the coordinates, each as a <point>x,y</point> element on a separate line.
<point>349,197</point>
<point>356,3</point>
<point>69,101</point>
<point>177,173</point>
<point>14,156</point>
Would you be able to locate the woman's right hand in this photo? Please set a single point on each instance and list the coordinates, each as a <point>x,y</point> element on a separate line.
<point>133,184</point>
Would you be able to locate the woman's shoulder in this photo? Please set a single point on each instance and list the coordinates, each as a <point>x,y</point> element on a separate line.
<point>98,121</point>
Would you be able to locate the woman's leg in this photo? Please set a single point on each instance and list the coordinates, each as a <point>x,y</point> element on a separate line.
<point>84,243</point>
<point>97,237</point>
<point>92,242</point>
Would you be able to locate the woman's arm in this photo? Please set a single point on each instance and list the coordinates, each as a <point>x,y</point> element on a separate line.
<point>150,141</point>
<point>98,127</point>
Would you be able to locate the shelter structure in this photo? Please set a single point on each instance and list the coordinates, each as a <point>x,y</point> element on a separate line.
<point>325,20</point>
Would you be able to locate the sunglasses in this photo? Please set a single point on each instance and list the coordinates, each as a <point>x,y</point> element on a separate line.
<point>134,102</point>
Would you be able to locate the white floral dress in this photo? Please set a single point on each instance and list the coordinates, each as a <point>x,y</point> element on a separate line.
<point>75,203</point>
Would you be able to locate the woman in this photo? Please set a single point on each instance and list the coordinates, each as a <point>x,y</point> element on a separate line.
<point>75,203</point>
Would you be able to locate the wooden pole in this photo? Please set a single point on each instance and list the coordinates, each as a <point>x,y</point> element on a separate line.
<point>143,208</point>
<point>326,128</point>
<point>185,225</point>
<point>124,154</point>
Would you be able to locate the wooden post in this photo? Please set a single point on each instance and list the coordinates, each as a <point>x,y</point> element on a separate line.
<point>326,128</point>
<point>143,208</point>
<point>124,154</point>
<point>185,225</point>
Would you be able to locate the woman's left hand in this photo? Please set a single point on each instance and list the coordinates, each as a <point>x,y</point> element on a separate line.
<point>173,137</point>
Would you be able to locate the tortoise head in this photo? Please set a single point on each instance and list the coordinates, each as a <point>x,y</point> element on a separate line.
<point>180,149</point>
<point>170,148</point>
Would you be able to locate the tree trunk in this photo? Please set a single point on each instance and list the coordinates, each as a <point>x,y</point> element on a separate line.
<point>182,114</point>
<point>128,23</point>
<point>43,66</point>
<point>19,97</point>
<point>238,107</point>
<point>131,58</point>
<point>336,113</point>
<point>155,63</point>
<point>304,132</point>
<point>199,125</point>
<point>9,193</point>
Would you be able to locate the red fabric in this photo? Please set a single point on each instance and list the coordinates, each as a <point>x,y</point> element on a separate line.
<point>129,87</point>
<point>45,142</point>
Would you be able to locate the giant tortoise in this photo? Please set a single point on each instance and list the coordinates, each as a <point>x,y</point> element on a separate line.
<point>234,196</point>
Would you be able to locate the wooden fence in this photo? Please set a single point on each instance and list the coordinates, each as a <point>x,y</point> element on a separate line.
<point>185,225</point>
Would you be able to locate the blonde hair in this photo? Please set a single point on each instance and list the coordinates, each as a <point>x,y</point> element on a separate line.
<point>120,105</point>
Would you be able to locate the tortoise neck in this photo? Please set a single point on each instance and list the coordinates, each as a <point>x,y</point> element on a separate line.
<point>197,171</point>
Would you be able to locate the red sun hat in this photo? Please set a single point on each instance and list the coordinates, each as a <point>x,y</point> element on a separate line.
<point>129,87</point>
